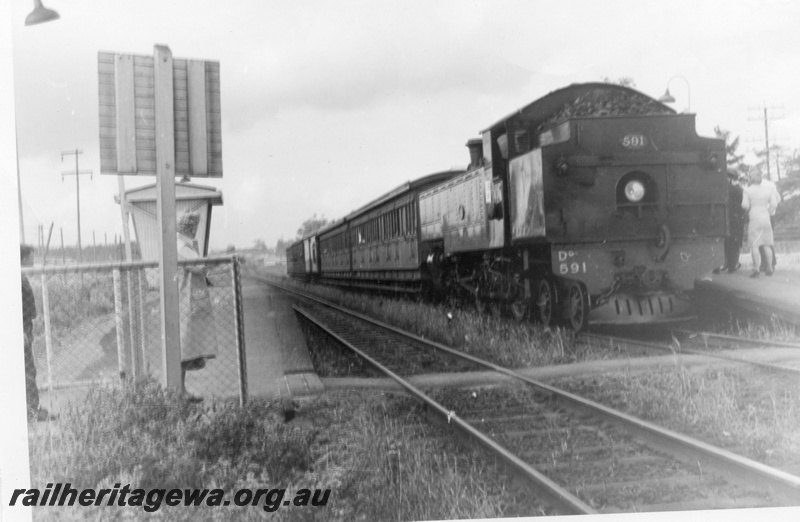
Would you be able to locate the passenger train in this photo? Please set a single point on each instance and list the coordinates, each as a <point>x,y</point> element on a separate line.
<point>593,204</point>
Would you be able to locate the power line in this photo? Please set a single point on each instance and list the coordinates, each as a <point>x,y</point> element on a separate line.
<point>77,175</point>
<point>768,113</point>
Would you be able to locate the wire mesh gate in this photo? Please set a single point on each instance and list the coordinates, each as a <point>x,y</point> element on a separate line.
<point>101,324</point>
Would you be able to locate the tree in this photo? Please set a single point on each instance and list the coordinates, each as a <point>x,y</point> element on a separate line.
<point>733,160</point>
<point>259,244</point>
<point>230,249</point>
<point>311,225</point>
<point>282,245</point>
<point>790,165</point>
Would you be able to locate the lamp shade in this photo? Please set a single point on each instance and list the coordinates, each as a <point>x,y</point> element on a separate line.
<point>40,14</point>
<point>667,97</point>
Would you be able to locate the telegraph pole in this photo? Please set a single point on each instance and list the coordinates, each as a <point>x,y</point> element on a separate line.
<point>78,173</point>
<point>767,117</point>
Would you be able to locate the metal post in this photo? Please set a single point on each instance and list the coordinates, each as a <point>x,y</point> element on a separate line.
<point>133,322</point>
<point>140,363</point>
<point>123,207</point>
<point>122,351</point>
<point>48,341</point>
<point>238,319</point>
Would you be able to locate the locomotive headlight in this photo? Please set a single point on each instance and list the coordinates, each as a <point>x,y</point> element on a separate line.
<point>634,191</point>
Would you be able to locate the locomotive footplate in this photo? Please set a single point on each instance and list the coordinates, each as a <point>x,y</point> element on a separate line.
<point>657,307</point>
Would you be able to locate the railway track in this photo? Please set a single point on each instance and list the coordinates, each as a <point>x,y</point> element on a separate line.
<point>783,357</point>
<point>577,455</point>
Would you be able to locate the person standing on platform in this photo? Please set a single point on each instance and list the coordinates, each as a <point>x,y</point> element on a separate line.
<point>758,200</point>
<point>198,334</point>
<point>733,242</point>
<point>777,195</point>
<point>35,412</point>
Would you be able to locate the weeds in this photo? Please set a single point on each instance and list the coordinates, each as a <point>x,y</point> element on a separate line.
<point>498,340</point>
<point>374,453</point>
<point>756,414</point>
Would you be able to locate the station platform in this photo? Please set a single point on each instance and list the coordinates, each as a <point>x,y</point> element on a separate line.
<point>776,296</point>
<point>278,364</point>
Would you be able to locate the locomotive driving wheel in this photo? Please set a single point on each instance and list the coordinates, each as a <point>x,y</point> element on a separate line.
<point>578,306</point>
<point>545,301</point>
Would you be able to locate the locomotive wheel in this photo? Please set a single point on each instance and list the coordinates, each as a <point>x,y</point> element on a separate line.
<point>578,306</point>
<point>545,301</point>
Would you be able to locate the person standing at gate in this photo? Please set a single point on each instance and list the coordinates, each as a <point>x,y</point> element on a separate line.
<point>733,242</point>
<point>758,200</point>
<point>198,334</point>
<point>35,412</point>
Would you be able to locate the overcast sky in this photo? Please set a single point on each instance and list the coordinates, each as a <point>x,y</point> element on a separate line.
<point>326,105</point>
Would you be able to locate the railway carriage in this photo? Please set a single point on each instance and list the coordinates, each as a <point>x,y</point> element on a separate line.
<point>295,260</point>
<point>376,246</point>
<point>595,203</point>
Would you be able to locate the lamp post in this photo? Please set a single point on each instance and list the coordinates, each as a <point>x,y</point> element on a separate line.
<point>668,98</point>
<point>19,190</point>
<point>40,14</point>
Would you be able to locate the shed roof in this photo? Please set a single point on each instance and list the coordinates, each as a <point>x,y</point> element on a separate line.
<point>182,191</point>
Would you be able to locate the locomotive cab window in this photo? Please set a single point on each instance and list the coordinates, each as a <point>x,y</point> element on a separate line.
<point>636,190</point>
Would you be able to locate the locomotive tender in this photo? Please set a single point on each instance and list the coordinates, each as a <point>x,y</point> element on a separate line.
<point>594,203</point>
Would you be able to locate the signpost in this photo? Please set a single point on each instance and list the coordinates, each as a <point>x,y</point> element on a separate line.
<point>161,116</point>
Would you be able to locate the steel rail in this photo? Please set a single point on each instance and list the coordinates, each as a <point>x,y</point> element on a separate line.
<point>555,495</point>
<point>666,348</point>
<point>735,468</point>
<point>777,344</point>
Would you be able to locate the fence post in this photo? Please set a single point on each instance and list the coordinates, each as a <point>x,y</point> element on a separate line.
<point>141,281</point>
<point>133,321</point>
<point>238,318</point>
<point>48,342</point>
<point>122,352</point>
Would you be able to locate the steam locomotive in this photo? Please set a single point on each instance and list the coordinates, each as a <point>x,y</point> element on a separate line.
<point>593,204</point>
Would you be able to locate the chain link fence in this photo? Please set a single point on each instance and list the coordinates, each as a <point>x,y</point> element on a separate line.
<point>101,324</point>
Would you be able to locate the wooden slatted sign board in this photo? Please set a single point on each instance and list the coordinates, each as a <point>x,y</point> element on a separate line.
<point>127,116</point>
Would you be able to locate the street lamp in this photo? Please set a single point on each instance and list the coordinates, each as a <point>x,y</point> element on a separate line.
<point>40,14</point>
<point>668,98</point>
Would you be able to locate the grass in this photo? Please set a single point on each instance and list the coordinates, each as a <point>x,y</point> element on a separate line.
<point>754,413</point>
<point>498,340</point>
<point>374,452</point>
<point>775,330</point>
